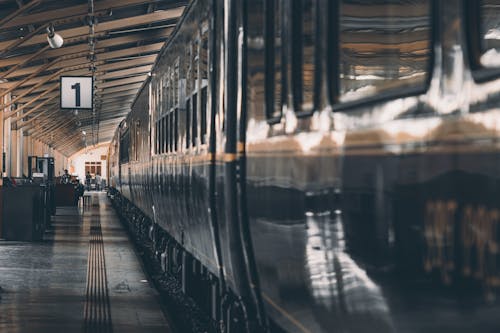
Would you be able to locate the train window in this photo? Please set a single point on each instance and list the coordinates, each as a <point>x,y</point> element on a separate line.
<point>156,137</point>
<point>125,146</point>
<point>203,113</point>
<point>490,33</point>
<point>176,129</point>
<point>195,119</point>
<point>304,74</point>
<point>384,45</point>
<point>165,90</point>
<point>167,101</point>
<point>159,94</point>
<point>155,99</point>
<point>171,131</point>
<point>188,123</point>
<point>160,138</point>
<point>137,140</point>
<point>189,71</point>
<point>165,134</point>
<point>196,87</point>
<point>204,90</point>
<point>274,59</point>
<point>175,85</point>
<point>168,134</point>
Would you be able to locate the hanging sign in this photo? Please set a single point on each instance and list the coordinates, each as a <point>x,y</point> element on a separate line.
<point>76,92</point>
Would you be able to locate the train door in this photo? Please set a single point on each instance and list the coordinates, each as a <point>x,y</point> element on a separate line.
<point>240,314</point>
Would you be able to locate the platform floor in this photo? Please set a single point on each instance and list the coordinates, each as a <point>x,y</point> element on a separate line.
<point>85,277</point>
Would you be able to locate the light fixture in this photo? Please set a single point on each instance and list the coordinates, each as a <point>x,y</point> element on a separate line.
<point>55,40</point>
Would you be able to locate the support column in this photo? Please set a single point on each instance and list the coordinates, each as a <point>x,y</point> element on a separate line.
<point>14,153</point>
<point>7,146</point>
<point>20,152</point>
<point>26,153</point>
<point>3,100</point>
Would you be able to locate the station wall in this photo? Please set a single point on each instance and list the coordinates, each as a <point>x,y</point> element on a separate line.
<point>90,155</point>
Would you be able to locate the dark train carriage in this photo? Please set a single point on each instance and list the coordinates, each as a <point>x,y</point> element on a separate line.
<point>325,165</point>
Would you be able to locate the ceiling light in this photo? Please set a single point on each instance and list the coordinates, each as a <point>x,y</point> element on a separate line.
<point>55,40</point>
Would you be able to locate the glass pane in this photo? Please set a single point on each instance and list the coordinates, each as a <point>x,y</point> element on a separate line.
<point>165,134</point>
<point>171,131</point>
<point>203,115</point>
<point>176,129</point>
<point>188,123</point>
<point>384,45</point>
<point>176,85</point>
<point>160,136</point>
<point>157,141</point>
<point>490,33</point>
<point>165,99</point>
<point>195,119</point>
<point>274,64</point>
<point>304,52</point>
<point>204,82</point>
<point>168,92</point>
<point>162,142</point>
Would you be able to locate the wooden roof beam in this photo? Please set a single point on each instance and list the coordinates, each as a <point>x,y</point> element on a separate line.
<point>48,114</point>
<point>13,15</point>
<point>121,88</point>
<point>100,76</point>
<point>14,112</point>
<point>68,61</point>
<point>28,98</point>
<point>105,26</point>
<point>102,67</point>
<point>124,93</point>
<point>120,82</point>
<point>26,92</point>
<point>60,14</point>
<point>83,46</point>
<point>126,72</point>
<point>40,122</point>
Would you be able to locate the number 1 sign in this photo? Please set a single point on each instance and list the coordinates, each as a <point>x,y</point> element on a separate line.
<point>76,92</point>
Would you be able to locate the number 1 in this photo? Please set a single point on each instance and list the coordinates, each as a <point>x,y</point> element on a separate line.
<point>76,86</point>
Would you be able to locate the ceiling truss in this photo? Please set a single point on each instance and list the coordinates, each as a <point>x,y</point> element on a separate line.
<point>129,34</point>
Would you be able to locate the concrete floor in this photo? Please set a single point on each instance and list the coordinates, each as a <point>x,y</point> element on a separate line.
<point>43,284</point>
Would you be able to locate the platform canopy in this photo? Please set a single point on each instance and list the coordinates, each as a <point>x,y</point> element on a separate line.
<point>115,41</point>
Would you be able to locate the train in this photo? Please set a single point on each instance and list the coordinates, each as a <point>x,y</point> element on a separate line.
<point>323,166</point>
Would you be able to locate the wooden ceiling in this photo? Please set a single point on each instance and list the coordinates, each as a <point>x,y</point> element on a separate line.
<point>128,34</point>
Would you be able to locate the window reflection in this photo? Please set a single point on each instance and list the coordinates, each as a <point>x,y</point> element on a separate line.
<point>384,45</point>
<point>304,53</point>
<point>490,33</point>
<point>274,63</point>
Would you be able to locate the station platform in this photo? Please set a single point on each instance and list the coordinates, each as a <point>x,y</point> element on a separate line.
<point>84,277</point>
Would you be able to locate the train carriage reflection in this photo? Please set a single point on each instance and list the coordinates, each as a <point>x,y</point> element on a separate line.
<point>343,293</point>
